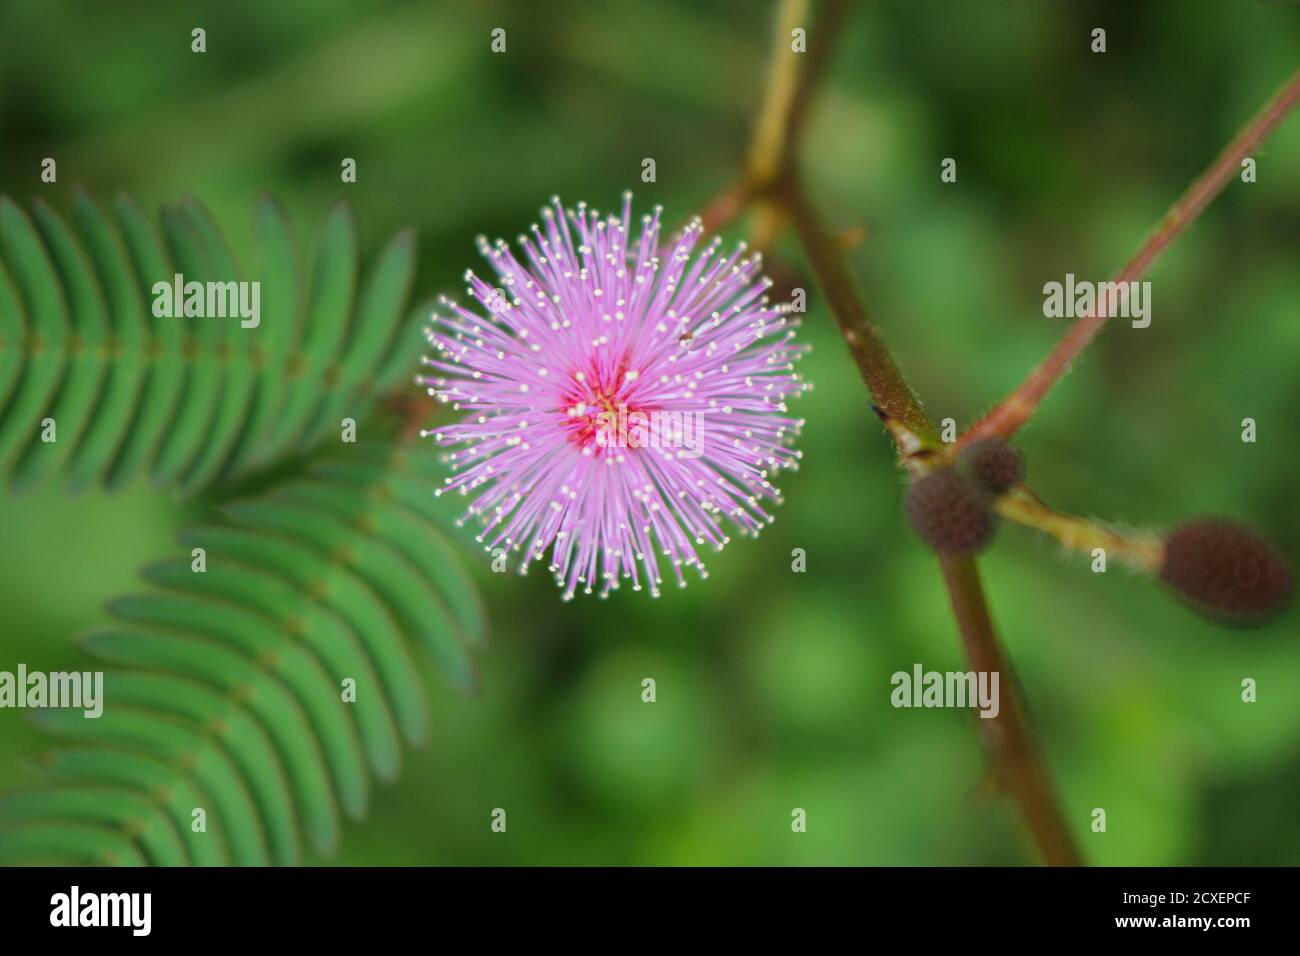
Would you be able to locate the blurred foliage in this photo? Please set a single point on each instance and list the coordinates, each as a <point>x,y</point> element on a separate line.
<point>772,686</point>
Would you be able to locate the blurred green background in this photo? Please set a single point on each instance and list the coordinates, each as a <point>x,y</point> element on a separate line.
<point>773,687</point>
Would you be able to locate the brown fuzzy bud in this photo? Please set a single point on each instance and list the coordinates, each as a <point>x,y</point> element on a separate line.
<point>993,463</point>
<point>1226,571</point>
<point>950,512</point>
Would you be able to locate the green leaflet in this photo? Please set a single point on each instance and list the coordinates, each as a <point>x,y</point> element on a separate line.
<point>35,304</point>
<point>66,843</point>
<point>190,751</point>
<point>232,699</point>
<point>269,690</point>
<point>72,404</point>
<point>191,401</point>
<point>151,778</point>
<point>127,356</point>
<point>123,810</point>
<point>325,324</point>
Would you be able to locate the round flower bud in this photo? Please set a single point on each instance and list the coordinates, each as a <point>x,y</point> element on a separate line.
<point>993,463</point>
<point>950,512</point>
<point>1226,571</point>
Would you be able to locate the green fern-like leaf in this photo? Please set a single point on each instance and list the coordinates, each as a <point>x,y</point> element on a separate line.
<point>189,401</point>
<point>227,692</point>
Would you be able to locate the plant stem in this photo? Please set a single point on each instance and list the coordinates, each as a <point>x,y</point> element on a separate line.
<point>1021,769</point>
<point>1018,407</point>
<point>723,209</point>
<point>889,390</point>
<point>770,147</point>
<point>791,79</point>
<point>772,170</point>
<point>1008,736</point>
<point>1144,551</point>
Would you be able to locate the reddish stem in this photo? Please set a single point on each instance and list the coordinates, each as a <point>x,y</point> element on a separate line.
<point>1018,407</point>
<point>1019,767</point>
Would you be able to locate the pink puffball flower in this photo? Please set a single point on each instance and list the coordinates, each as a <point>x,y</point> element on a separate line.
<point>625,400</point>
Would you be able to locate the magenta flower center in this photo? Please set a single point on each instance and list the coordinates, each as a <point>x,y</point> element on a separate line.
<point>598,398</point>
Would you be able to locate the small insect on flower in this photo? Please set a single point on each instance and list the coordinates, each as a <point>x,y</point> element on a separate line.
<point>625,400</point>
